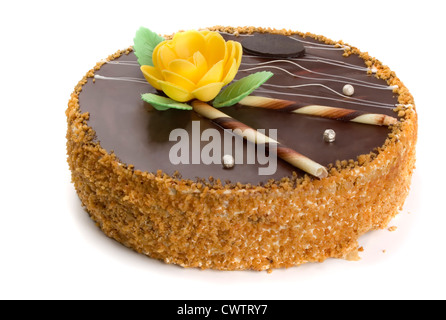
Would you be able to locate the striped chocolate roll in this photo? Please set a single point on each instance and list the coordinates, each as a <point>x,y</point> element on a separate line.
<point>285,153</point>
<point>319,111</point>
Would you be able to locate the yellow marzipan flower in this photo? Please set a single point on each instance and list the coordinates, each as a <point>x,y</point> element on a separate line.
<point>193,65</point>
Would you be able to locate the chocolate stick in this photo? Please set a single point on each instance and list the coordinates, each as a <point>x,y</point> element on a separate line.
<point>319,111</point>
<point>285,153</point>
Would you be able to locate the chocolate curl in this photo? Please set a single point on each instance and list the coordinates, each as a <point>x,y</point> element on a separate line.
<point>319,111</point>
<point>287,154</point>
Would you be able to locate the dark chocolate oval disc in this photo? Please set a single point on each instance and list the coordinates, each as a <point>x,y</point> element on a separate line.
<point>273,45</point>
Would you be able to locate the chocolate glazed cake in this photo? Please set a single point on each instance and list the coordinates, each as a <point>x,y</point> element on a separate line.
<point>208,216</point>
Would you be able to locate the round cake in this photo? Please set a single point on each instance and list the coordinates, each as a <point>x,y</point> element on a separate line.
<point>284,150</point>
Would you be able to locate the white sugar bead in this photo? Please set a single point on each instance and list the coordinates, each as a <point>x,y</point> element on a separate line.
<point>228,161</point>
<point>348,90</point>
<point>329,135</point>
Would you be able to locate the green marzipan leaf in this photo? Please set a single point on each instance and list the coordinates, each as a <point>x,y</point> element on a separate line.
<point>144,43</point>
<point>162,103</point>
<point>240,89</point>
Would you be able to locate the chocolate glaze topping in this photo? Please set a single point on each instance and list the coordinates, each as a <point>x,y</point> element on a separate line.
<point>139,134</point>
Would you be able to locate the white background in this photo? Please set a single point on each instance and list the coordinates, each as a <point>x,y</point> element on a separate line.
<point>49,247</point>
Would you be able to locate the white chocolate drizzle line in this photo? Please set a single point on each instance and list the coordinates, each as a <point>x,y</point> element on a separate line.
<point>310,58</point>
<point>124,63</point>
<point>343,48</point>
<point>128,79</point>
<point>365,102</point>
<point>334,63</point>
<point>350,80</point>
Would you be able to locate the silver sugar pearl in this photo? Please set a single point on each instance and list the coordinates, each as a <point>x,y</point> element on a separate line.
<point>228,161</point>
<point>329,135</point>
<point>348,90</point>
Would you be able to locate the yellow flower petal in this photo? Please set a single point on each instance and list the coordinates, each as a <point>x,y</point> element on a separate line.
<point>233,64</point>
<point>205,32</point>
<point>208,92</point>
<point>178,80</point>
<point>234,51</point>
<point>215,74</point>
<point>238,53</point>
<point>215,48</point>
<point>155,53</point>
<point>230,74</point>
<point>187,43</point>
<point>164,56</point>
<point>184,68</point>
<point>200,62</point>
<point>230,51</point>
<point>175,92</point>
<point>152,76</point>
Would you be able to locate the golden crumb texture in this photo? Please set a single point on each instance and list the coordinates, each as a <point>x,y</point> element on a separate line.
<point>245,227</point>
